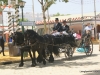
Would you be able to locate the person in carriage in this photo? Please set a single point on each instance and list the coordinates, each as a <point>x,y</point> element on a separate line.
<point>65,28</point>
<point>88,29</point>
<point>57,27</point>
<point>77,35</point>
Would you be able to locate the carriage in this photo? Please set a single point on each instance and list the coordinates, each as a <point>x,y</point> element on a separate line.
<point>83,45</point>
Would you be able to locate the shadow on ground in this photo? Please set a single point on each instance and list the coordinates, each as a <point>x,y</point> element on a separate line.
<point>58,62</point>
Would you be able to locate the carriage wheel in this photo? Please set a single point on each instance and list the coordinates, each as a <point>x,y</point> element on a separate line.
<point>88,47</point>
<point>68,51</point>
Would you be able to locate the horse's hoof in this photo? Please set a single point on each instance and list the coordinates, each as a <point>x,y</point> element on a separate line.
<point>44,62</point>
<point>21,64</point>
<point>37,59</point>
<point>51,59</point>
<point>33,65</point>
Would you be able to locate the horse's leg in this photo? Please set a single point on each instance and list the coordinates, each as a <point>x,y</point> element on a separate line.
<point>38,58</point>
<point>41,54</point>
<point>51,58</point>
<point>21,63</point>
<point>3,49</point>
<point>44,56</point>
<point>31,56</point>
<point>34,58</point>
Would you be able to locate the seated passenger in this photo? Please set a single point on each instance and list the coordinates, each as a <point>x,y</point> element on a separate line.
<point>87,29</point>
<point>57,27</point>
<point>65,28</point>
<point>77,35</point>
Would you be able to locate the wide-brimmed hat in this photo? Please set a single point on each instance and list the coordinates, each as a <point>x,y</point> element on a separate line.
<point>56,19</point>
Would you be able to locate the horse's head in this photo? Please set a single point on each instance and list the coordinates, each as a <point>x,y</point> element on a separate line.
<point>18,38</point>
<point>30,35</point>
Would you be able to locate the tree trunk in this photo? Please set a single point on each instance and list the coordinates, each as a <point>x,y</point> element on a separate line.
<point>44,19</point>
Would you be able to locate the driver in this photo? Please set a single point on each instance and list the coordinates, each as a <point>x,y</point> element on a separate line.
<point>57,27</point>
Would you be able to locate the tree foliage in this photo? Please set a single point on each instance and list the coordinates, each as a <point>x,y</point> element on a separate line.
<point>65,1</point>
<point>62,1</point>
<point>6,1</point>
<point>58,14</point>
<point>46,4</point>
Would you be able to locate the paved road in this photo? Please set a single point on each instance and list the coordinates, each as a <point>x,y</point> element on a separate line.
<point>79,65</point>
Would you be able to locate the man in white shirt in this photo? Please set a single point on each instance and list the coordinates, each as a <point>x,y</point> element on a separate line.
<point>87,29</point>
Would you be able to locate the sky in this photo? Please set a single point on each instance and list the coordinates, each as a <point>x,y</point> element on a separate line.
<point>72,7</point>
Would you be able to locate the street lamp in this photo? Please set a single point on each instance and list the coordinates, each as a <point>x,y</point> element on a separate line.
<point>13,21</point>
<point>22,4</point>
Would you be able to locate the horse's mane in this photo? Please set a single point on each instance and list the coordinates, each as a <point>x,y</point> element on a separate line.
<point>32,32</point>
<point>19,33</point>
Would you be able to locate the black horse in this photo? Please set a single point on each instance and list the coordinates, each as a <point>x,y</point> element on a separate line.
<point>2,45</point>
<point>30,42</point>
<point>60,41</point>
<point>18,38</point>
<point>44,42</point>
<point>51,47</point>
<point>37,44</point>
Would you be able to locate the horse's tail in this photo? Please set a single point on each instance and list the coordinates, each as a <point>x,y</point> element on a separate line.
<point>56,50</point>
